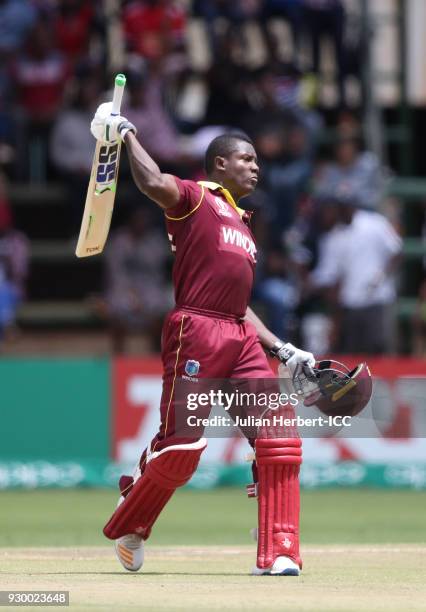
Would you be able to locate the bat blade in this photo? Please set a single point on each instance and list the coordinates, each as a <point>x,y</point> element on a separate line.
<point>102,186</point>
<point>100,198</point>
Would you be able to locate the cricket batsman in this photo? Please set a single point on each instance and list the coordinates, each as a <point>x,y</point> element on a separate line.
<point>211,333</point>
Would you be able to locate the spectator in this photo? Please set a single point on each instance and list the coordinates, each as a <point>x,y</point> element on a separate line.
<point>348,125</point>
<point>306,241</point>
<point>72,145</point>
<point>326,18</point>
<point>145,108</point>
<point>40,75</point>
<point>318,327</point>
<point>286,168</point>
<point>154,27</point>
<point>16,19</point>
<point>137,296</point>
<point>73,22</point>
<point>227,85</point>
<point>291,11</point>
<point>236,13</point>
<point>13,266</point>
<point>298,238</point>
<point>285,135</point>
<point>278,294</point>
<point>355,171</point>
<point>358,262</point>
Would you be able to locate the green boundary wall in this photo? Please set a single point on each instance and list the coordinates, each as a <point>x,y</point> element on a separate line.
<point>45,474</point>
<point>51,407</point>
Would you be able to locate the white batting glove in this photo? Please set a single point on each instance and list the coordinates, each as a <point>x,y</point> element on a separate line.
<point>295,364</point>
<point>292,357</point>
<point>97,126</point>
<point>117,126</point>
<point>109,128</point>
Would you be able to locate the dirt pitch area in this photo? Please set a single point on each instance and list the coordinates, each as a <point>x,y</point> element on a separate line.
<point>344,578</point>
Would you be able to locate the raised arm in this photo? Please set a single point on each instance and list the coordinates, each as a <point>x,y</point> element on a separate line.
<point>160,187</point>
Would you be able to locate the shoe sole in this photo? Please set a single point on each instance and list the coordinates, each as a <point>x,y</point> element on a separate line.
<point>286,572</point>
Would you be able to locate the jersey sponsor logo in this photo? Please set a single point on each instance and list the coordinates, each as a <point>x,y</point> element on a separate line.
<point>232,237</point>
<point>222,207</point>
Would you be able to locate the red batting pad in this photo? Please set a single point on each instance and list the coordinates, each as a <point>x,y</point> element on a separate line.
<point>278,463</point>
<point>165,471</point>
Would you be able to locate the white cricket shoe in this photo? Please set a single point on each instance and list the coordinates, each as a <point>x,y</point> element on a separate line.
<point>283,566</point>
<point>129,551</point>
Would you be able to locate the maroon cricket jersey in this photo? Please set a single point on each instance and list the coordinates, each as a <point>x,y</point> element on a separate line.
<point>214,249</point>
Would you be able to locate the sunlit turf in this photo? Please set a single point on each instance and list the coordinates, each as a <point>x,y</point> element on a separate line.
<point>222,516</point>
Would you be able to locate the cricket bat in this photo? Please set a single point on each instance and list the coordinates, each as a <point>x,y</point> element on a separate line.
<point>102,187</point>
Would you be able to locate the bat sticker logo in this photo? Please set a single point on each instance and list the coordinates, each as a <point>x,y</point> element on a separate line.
<point>107,165</point>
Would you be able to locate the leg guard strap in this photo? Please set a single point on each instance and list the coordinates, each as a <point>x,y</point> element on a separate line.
<point>278,463</point>
<point>165,471</point>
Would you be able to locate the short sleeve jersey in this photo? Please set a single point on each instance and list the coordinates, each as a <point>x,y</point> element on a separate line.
<point>215,252</point>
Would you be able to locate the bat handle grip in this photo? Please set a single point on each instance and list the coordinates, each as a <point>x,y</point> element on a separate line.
<point>120,81</point>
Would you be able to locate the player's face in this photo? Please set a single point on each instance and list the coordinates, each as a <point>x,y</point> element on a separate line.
<point>241,171</point>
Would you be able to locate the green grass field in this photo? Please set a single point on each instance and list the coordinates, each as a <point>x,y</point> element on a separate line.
<point>362,549</point>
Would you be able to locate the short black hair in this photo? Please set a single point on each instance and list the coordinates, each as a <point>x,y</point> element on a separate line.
<point>223,146</point>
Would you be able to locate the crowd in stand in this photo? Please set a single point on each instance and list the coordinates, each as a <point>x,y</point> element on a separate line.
<point>328,255</point>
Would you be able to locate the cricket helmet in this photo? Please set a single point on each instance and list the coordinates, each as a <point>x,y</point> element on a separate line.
<point>333,388</point>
